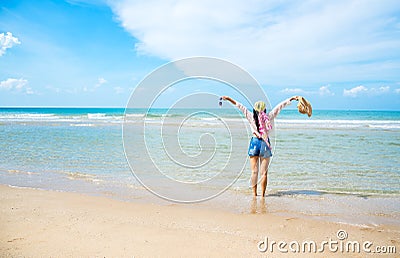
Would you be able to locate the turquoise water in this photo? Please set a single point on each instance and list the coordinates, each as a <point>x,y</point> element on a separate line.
<point>347,152</point>
<point>339,165</point>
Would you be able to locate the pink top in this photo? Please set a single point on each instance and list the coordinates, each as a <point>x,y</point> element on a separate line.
<point>265,124</point>
<point>265,120</point>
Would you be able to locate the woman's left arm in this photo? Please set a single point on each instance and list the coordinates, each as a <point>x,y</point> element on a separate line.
<point>275,111</point>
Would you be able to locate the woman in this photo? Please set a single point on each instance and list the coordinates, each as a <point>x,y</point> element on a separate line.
<point>260,146</point>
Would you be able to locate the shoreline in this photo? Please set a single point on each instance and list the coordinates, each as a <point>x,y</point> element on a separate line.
<point>354,209</point>
<point>50,223</point>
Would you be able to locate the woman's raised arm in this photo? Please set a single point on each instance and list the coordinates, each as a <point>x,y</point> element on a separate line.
<point>275,111</point>
<point>229,99</point>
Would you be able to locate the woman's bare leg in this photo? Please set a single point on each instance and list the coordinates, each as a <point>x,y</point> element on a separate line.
<point>264,162</point>
<point>254,173</point>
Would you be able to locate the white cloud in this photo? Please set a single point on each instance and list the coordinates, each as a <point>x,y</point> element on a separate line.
<point>325,91</point>
<point>29,91</point>
<point>7,41</point>
<point>397,91</point>
<point>119,90</point>
<point>53,89</point>
<point>293,91</point>
<point>354,91</point>
<point>100,82</point>
<point>278,42</point>
<point>16,85</point>
<point>380,90</point>
<point>74,90</point>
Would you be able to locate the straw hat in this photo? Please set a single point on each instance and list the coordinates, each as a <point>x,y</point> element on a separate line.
<point>304,106</point>
<point>259,106</point>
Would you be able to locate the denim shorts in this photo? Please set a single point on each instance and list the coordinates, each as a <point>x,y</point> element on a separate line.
<point>258,147</point>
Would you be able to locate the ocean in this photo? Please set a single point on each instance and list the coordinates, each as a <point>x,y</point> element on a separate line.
<point>336,153</point>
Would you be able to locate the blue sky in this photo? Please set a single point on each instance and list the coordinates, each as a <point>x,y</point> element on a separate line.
<point>338,54</point>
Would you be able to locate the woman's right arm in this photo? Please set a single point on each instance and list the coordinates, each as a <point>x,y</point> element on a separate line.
<point>229,99</point>
<point>245,111</point>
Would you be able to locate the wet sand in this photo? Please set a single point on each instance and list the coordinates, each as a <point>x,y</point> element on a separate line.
<point>39,223</point>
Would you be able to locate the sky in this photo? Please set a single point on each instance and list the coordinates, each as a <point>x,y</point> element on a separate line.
<point>342,54</point>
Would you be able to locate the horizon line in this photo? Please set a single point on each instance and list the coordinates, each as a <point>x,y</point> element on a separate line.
<point>397,110</point>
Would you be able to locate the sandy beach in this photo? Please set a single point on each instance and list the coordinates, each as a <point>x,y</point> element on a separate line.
<point>39,223</point>
<point>199,128</point>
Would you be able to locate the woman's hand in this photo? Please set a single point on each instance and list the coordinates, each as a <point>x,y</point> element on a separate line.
<point>295,98</point>
<point>229,99</point>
